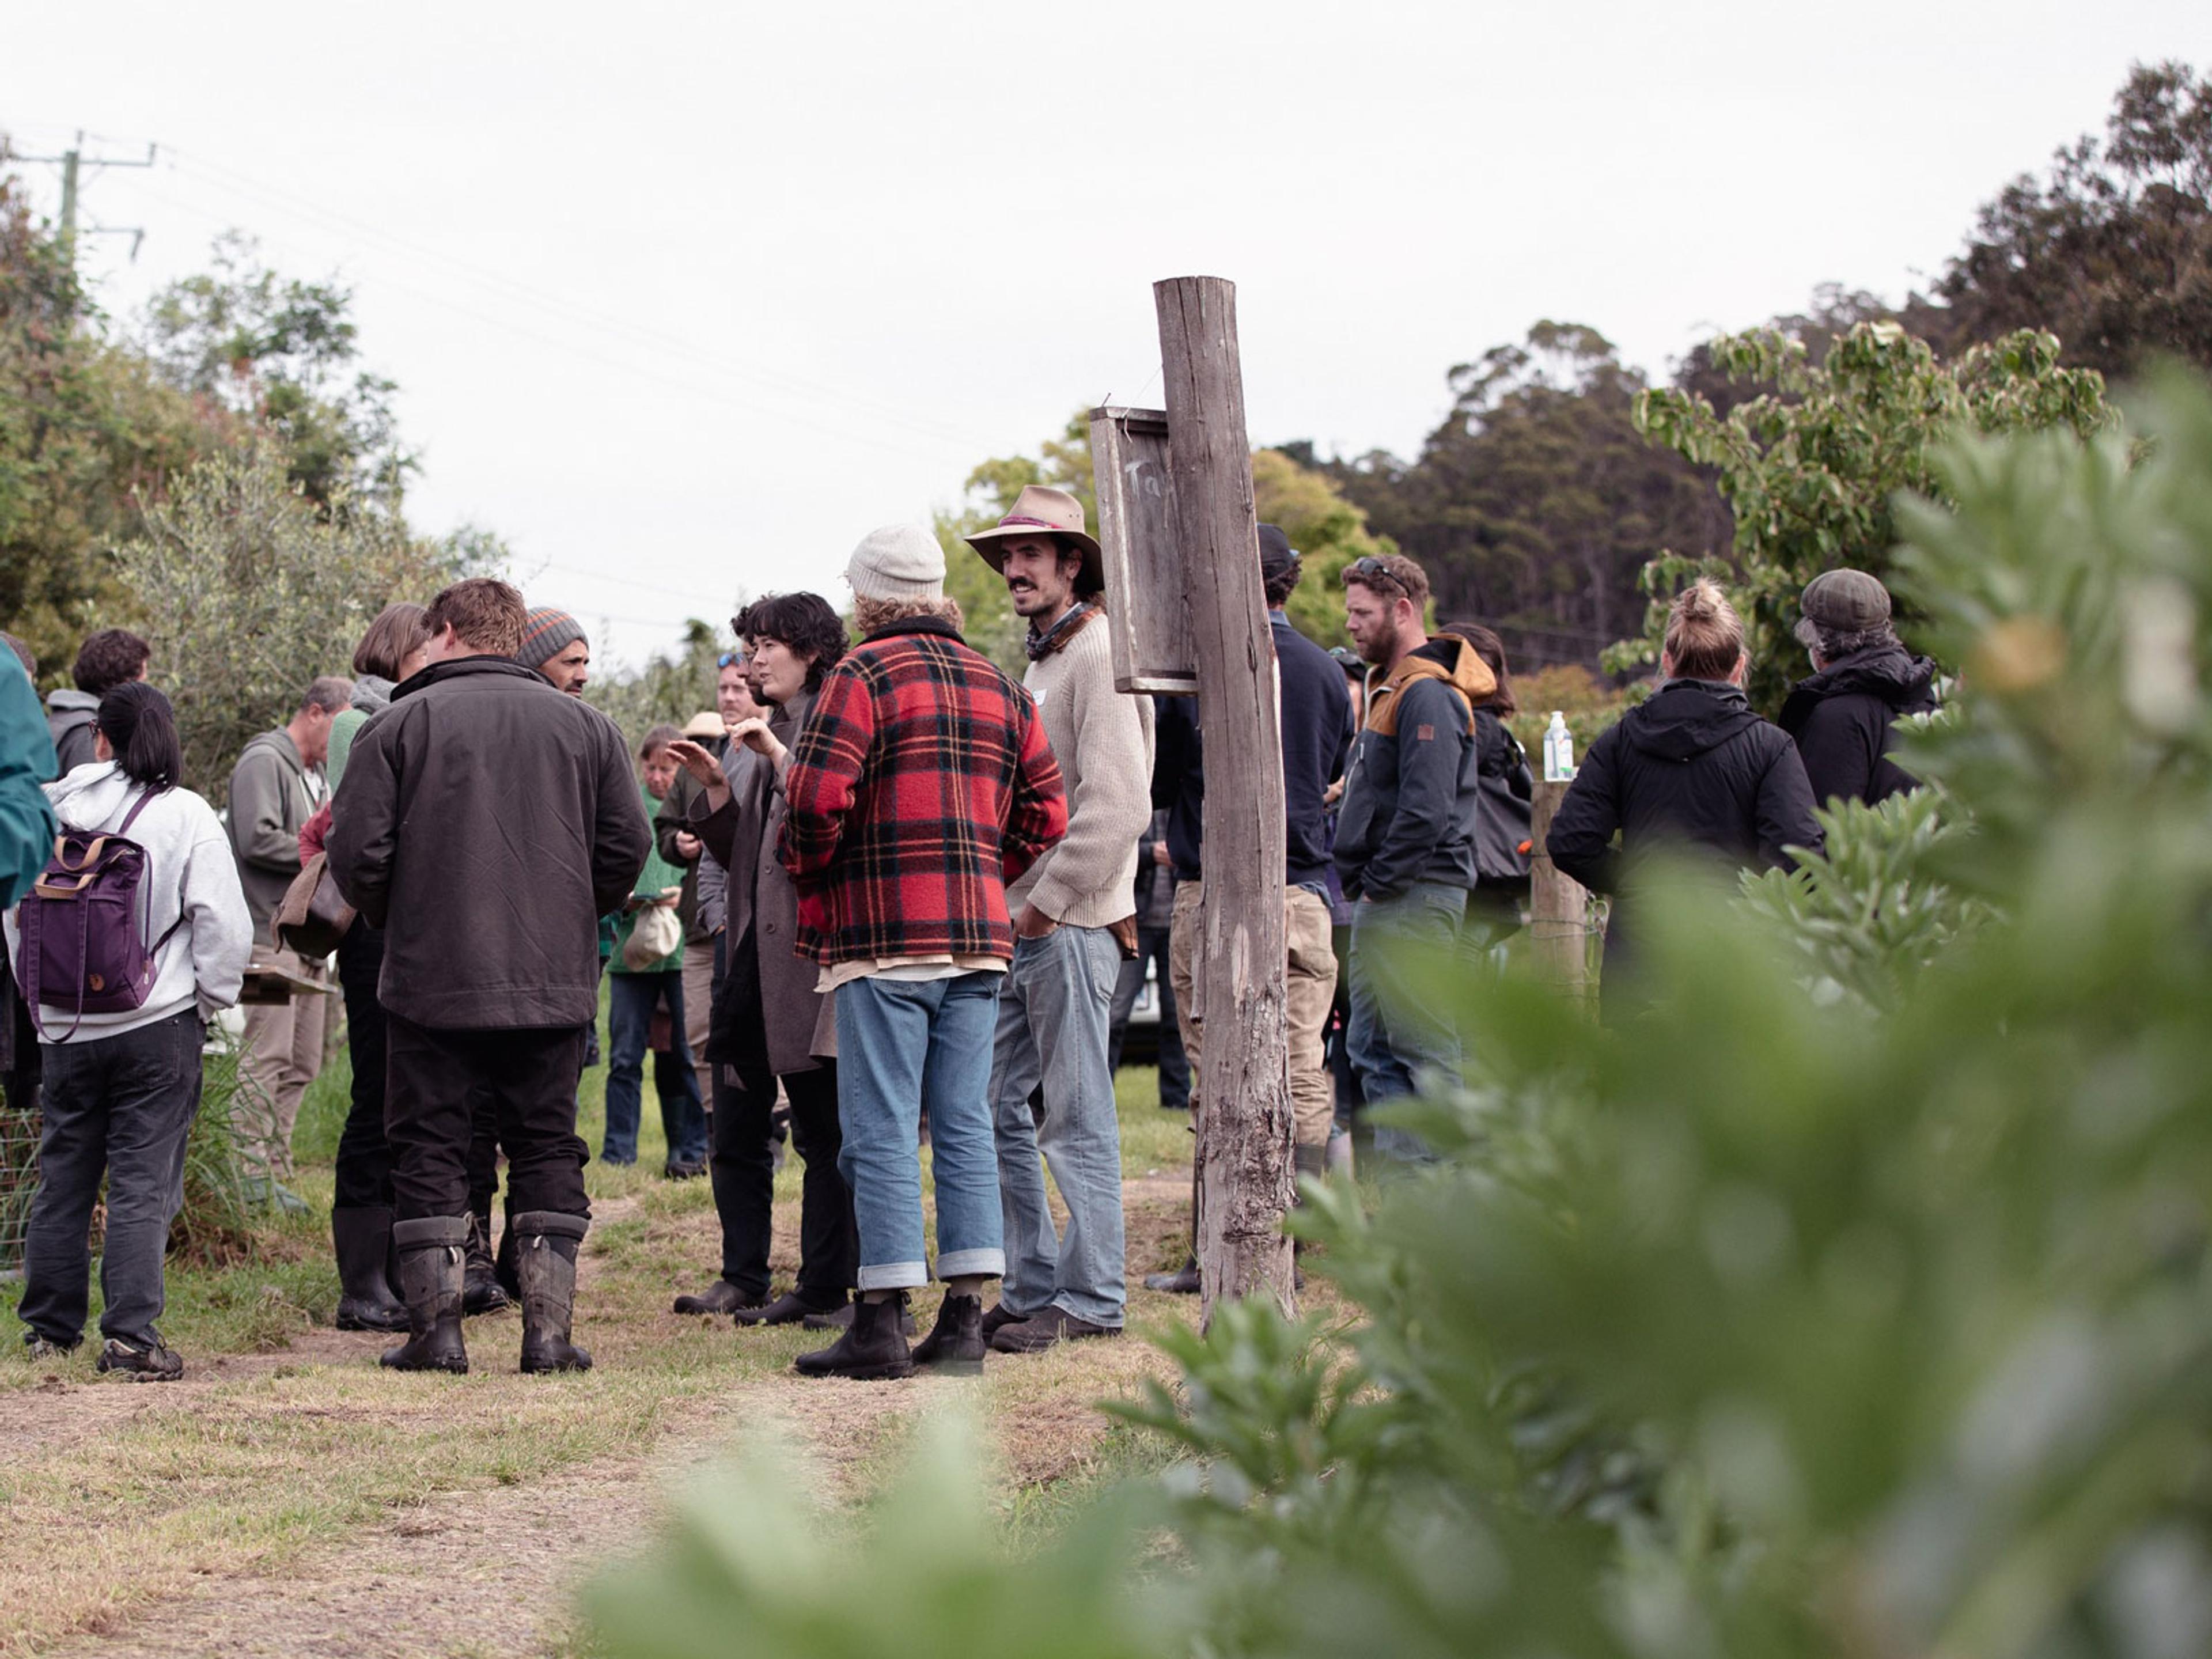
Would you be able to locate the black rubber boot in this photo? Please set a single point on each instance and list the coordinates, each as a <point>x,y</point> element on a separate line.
<point>431,1249</point>
<point>873,1349</point>
<point>545,1244</point>
<point>362,1240</point>
<point>955,1343</point>
<point>480,1288</point>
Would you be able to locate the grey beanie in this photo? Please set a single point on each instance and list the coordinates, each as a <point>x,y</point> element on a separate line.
<point>899,562</point>
<point>545,633</point>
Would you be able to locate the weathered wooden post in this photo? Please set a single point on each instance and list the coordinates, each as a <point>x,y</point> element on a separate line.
<point>1244,1118</point>
<point>1189,617</point>
<point>1559,905</point>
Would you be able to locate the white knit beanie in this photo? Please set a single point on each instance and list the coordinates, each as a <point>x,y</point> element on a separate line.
<point>899,562</point>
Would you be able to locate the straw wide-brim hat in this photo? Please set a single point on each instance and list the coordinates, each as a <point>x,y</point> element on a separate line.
<point>1041,510</point>
<point>704,726</point>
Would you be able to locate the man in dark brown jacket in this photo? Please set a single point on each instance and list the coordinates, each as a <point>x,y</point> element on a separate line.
<point>485,823</point>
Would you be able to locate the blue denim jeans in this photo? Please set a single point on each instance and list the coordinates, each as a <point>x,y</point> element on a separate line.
<point>123,1106</point>
<point>1403,1038</point>
<point>903,1044</point>
<point>631,998</point>
<point>1052,1030</point>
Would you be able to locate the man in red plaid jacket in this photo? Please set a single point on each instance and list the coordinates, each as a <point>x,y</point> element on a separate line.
<point>921,785</point>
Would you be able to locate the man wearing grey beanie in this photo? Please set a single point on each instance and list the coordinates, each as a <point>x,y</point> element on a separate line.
<point>554,644</point>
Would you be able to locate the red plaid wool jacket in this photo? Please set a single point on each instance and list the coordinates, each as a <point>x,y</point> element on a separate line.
<point>921,785</point>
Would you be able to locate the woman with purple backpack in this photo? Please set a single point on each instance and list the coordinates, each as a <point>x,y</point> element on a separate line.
<point>122,1064</point>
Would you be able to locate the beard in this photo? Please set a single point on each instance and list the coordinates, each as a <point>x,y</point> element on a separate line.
<point>1376,648</point>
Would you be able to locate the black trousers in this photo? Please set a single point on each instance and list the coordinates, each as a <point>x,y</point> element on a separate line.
<point>364,1166</point>
<point>529,1079</point>
<point>741,1164</point>
<point>123,1107</point>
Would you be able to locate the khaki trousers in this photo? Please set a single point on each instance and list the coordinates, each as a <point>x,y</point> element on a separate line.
<point>699,1009</point>
<point>1311,986</point>
<point>283,1054</point>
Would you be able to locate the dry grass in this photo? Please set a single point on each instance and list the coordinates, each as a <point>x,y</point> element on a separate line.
<point>289,1496</point>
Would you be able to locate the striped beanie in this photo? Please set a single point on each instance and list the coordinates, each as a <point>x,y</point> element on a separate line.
<point>544,632</point>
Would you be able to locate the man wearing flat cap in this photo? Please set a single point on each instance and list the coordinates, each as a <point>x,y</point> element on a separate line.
<point>1843,716</point>
<point>1074,918</point>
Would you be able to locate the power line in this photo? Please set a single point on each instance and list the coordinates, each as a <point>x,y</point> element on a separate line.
<point>565,310</point>
<point>625,364</point>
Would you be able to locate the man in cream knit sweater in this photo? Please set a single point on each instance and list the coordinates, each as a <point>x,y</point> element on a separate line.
<point>1073,921</point>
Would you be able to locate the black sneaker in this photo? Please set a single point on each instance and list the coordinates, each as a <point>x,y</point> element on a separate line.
<point>154,1364</point>
<point>44,1347</point>
<point>1046,1330</point>
<point>1184,1281</point>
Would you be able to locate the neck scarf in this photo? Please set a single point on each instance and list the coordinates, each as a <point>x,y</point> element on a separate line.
<point>1040,646</point>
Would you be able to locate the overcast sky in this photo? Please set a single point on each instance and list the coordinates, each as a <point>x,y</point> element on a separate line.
<point>683,299</point>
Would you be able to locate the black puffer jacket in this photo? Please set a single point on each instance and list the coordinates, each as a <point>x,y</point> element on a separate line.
<point>1693,768</point>
<point>1842,717</point>
<point>486,823</point>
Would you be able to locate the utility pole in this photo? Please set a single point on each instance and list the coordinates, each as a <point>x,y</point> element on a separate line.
<point>70,161</point>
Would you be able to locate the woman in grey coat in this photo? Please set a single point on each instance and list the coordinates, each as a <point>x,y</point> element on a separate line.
<point>770,1024</point>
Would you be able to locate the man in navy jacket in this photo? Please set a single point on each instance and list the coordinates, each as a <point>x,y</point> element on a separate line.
<point>1315,721</point>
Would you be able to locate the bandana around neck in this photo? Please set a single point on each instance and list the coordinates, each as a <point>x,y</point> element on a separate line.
<point>1040,646</point>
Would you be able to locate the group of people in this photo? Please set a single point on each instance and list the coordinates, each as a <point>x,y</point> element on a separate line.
<point>909,891</point>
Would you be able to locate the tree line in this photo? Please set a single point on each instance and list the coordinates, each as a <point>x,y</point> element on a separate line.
<point>226,455</point>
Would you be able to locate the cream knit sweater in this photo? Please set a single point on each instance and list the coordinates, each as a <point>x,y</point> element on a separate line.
<point>1103,742</point>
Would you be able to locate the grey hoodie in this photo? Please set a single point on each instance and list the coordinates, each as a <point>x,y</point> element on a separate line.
<point>190,874</point>
<point>271,796</point>
<point>70,716</point>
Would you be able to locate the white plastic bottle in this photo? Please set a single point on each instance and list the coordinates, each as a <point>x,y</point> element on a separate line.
<point>1559,750</point>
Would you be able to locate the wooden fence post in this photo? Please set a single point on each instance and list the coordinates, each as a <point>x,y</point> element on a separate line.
<point>1559,906</point>
<point>1244,1178</point>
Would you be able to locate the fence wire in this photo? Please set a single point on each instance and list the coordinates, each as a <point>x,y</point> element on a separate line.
<point>19,1175</point>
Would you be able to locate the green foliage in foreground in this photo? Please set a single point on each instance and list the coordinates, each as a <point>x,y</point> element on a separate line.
<point>1858,1302</point>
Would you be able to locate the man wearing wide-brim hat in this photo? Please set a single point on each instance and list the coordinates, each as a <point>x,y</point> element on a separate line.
<point>1073,920</point>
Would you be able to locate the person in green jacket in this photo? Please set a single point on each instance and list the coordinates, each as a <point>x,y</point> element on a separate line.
<point>637,991</point>
<point>27,760</point>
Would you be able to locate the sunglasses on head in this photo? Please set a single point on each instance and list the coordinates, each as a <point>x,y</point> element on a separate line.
<point>731,659</point>
<point>1370,570</point>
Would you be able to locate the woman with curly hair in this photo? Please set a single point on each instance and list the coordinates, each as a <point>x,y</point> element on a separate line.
<point>770,1024</point>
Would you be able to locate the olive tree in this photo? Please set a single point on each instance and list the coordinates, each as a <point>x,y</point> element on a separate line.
<point>250,590</point>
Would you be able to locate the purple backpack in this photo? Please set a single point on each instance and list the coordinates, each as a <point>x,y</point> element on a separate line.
<point>81,940</point>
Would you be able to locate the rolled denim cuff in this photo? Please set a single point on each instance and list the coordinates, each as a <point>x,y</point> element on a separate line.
<point>969,1264</point>
<point>895,1276</point>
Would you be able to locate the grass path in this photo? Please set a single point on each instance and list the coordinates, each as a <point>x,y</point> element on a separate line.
<point>289,1496</point>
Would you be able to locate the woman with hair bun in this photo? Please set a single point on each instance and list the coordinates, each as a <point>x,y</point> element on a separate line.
<point>121,1088</point>
<point>1690,770</point>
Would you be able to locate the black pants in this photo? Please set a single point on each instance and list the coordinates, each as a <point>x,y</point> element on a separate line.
<point>123,1105</point>
<point>364,1166</point>
<point>484,1153</point>
<point>741,1164</point>
<point>529,1076</point>
<point>1174,1064</point>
